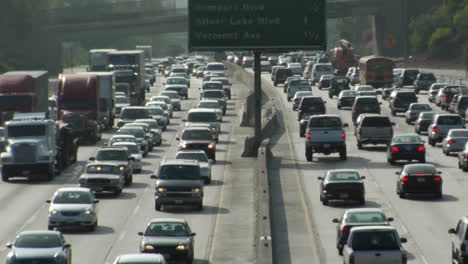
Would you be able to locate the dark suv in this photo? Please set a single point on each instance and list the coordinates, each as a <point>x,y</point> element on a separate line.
<point>179,182</point>
<point>281,75</point>
<point>446,95</point>
<point>118,155</point>
<point>424,81</point>
<point>407,77</point>
<point>365,104</point>
<point>401,100</point>
<point>312,105</point>
<point>198,138</point>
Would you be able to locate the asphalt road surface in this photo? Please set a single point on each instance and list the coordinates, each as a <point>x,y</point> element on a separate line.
<point>303,228</point>
<point>23,204</point>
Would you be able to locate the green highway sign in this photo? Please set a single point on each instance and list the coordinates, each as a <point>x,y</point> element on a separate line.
<point>264,25</point>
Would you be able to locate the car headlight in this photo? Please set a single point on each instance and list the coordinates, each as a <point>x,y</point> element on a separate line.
<point>53,212</point>
<point>161,189</point>
<point>182,145</point>
<point>8,149</point>
<point>197,190</point>
<point>122,168</point>
<point>213,129</point>
<point>183,247</point>
<point>148,247</point>
<point>88,212</point>
<point>210,146</point>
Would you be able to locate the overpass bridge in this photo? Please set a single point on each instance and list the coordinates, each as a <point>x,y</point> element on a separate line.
<point>111,20</point>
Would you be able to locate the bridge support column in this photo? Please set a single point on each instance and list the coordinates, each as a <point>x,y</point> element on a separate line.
<point>390,29</point>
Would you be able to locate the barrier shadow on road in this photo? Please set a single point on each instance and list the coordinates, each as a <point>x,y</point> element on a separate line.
<point>207,210</point>
<point>427,198</point>
<point>223,162</point>
<point>151,155</point>
<point>144,172</point>
<point>215,183</point>
<point>138,185</point>
<point>372,148</point>
<point>100,230</point>
<point>353,204</point>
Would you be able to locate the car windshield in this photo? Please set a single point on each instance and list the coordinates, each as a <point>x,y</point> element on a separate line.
<point>167,229</point>
<point>450,120</point>
<point>171,95</point>
<point>365,217</point>
<point>367,101</point>
<point>176,81</point>
<point>201,157</point>
<point>130,113</point>
<point>349,93</point>
<point>420,169</point>
<point>112,154</point>
<point>197,135</point>
<point>452,90</point>
<point>343,176</point>
<point>215,67</point>
<point>376,122</point>
<point>365,88</point>
<point>72,197</point>
<point>208,117</point>
<point>406,139</point>
<point>216,85</point>
<point>183,172</point>
<point>427,77</point>
<point>121,100</point>
<point>102,169</point>
<point>221,80</point>
<point>213,94</point>
<point>151,123</point>
<point>138,133</point>
<point>38,241</point>
<point>299,83</point>
<point>155,111</point>
<point>314,101</point>
<point>15,131</point>
<point>132,148</point>
<point>407,96</point>
<point>459,133</point>
<point>302,94</point>
<point>427,116</point>
<point>209,105</point>
<point>323,68</point>
<point>420,107</point>
<point>325,122</point>
<point>375,240</point>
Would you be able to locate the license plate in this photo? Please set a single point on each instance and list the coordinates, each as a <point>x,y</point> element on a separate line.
<point>344,195</point>
<point>326,145</point>
<point>178,202</point>
<point>421,179</point>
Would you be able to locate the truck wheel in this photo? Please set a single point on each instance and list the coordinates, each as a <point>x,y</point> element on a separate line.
<point>309,154</point>
<point>330,96</point>
<point>343,155</point>
<point>200,207</point>
<point>401,194</point>
<point>157,206</point>
<point>432,142</point>
<point>325,201</point>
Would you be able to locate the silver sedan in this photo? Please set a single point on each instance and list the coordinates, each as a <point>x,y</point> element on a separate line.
<point>413,111</point>
<point>73,207</point>
<point>455,141</point>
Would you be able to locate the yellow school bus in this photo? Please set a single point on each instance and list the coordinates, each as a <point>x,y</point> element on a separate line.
<point>376,71</point>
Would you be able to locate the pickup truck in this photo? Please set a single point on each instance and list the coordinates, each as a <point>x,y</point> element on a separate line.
<point>374,244</point>
<point>325,134</point>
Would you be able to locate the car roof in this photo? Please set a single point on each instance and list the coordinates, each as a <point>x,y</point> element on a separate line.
<point>140,258</point>
<point>123,136</point>
<point>418,165</point>
<point>201,110</point>
<point>124,144</point>
<point>133,107</point>
<point>195,151</point>
<point>113,147</point>
<point>178,162</point>
<point>371,228</point>
<point>73,189</point>
<point>102,163</point>
<point>30,232</point>
<point>196,127</point>
<point>357,210</point>
<point>342,170</point>
<point>175,220</point>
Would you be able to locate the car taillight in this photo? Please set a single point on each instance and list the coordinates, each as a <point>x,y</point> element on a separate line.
<point>404,259</point>
<point>376,107</point>
<point>466,155</point>
<point>395,149</point>
<point>462,248</point>
<point>404,179</point>
<point>356,108</point>
<point>446,98</point>
<point>421,149</point>
<point>345,229</point>
<point>302,122</point>
<point>351,259</point>
<point>343,135</point>
<point>435,129</point>
<point>437,178</point>
<point>309,135</point>
<point>451,141</point>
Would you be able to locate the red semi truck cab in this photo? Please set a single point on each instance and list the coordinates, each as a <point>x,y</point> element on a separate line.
<point>24,92</point>
<point>78,104</point>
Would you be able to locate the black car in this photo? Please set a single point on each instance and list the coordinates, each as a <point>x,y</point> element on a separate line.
<point>342,185</point>
<point>407,77</point>
<point>423,121</point>
<point>357,217</point>
<point>313,105</point>
<point>346,99</point>
<point>406,147</point>
<point>281,75</point>
<point>169,237</point>
<point>338,84</point>
<point>365,104</point>
<point>424,81</point>
<point>401,100</point>
<point>419,179</point>
<point>447,95</point>
<point>303,125</point>
<point>118,155</point>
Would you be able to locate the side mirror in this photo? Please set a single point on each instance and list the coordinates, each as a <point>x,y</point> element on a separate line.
<point>324,102</point>
<point>397,173</point>
<point>439,172</point>
<point>210,161</point>
<point>184,120</point>
<point>193,234</point>
<point>319,178</point>
<point>164,83</point>
<point>390,219</point>
<point>363,177</point>
<point>140,233</point>
<point>380,103</point>
<point>92,159</point>
<point>177,138</point>
<point>95,201</point>
<point>450,231</point>
<point>403,240</point>
<point>132,158</point>
<point>48,201</point>
<point>153,176</point>
<point>335,220</point>
<point>67,246</point>
<point>9,245</point>
<point>345,125</point>
<point>393,123</point>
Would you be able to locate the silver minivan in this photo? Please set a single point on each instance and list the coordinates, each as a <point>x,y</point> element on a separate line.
<point>373,129</point>
<point>320,69</point>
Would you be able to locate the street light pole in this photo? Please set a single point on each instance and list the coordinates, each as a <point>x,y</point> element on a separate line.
<point>258,98</point>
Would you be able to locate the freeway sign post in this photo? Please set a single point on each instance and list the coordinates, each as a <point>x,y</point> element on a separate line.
<point>257,25</point>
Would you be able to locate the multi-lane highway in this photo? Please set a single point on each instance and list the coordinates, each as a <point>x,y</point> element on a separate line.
<point>303,228</point>
<point>23,204</point>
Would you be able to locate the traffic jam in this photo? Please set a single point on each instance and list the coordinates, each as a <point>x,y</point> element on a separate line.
<point>114,106</point>
<point>373,93</point>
